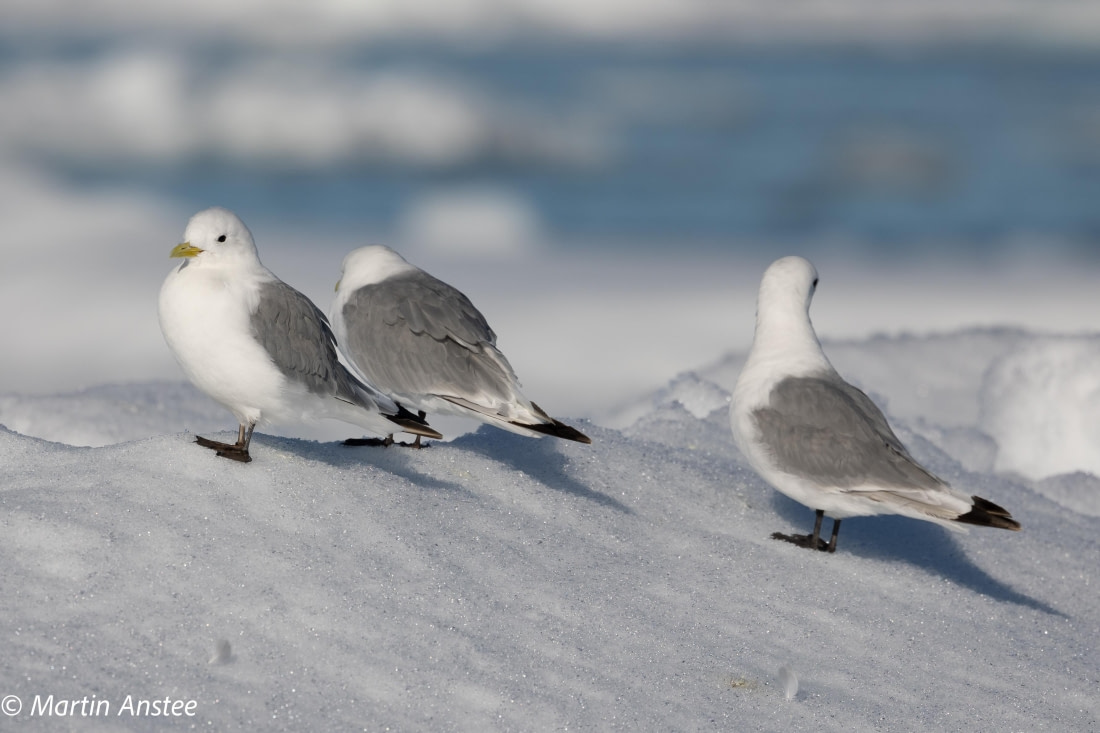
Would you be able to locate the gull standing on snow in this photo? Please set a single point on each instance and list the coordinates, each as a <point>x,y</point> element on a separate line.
<point>257,345</point>
<point>821,441</point>
<point>424,344</point>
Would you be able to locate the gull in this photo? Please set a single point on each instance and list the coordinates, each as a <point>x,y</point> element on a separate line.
<point>424,344</point>
<point>821,441</point>
<point>256,345</point>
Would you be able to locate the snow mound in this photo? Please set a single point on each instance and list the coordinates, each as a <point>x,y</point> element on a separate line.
<point>697,395</point>
<point>113,413</point>
<point>497,582</point>
<point>1041,404</point>
<point>1079,492</point>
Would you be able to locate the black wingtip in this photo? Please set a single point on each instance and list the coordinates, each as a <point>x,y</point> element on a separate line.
<point>415,424</point>
<point>558,430</point>
<point>985,513</point>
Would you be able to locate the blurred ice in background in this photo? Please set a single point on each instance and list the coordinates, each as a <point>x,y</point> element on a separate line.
<point>606,180</point>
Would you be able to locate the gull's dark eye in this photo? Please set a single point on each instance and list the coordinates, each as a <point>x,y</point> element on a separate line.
<point>222,239</point>
<point>815,282</point>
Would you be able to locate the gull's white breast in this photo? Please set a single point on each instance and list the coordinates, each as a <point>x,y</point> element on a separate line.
<point>205,317</point>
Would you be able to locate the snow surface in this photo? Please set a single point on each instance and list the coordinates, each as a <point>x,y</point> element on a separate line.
<point>1051,389</point>
<point>496,582</point>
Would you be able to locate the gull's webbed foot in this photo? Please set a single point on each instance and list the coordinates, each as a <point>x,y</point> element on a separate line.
<point>804,540</point>
<point>232,451</point>
<point>812,541</point>
<point>385,442</point>
<point>373,442</point>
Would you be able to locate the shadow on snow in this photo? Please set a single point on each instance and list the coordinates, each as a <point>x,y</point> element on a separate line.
<point>541,458</point>
<point>923,544</point>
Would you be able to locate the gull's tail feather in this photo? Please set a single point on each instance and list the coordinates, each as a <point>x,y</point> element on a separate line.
<point>414,424</point>
<point>987,514</point>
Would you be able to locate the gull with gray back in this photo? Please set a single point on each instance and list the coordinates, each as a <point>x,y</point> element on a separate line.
<point>424,344</point>
<point>256,345</point>
<point>821,441</point>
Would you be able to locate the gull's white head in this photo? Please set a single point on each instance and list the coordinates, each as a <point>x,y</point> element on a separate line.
<point>217,236</point>
<point>787,287</point>
<point>784,344</point>
<point>369,266</point>
<point>783,325</point>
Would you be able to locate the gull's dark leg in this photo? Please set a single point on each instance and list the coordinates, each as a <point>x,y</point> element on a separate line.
<point>811,541</point>
<point>416,443</point>
<point>831,547</point>
<point>819,517</point>
<point>387,441</point>
<point>234,451</point>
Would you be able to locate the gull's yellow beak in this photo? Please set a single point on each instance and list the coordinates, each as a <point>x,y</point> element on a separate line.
<point>185,250</point>
<point>337,288</point>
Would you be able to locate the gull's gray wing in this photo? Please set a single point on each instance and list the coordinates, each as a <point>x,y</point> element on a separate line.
<point>415,334</point>
<point>824,429</point>
<point>299,340</point>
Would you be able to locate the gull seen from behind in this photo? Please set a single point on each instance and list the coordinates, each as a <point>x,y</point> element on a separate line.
<point>821,441</point>
<point>423,343</point>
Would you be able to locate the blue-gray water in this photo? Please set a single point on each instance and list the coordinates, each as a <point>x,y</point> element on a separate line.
<point>952,148</point>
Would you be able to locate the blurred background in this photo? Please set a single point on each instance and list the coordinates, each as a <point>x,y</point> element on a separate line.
<point>607,180</point>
